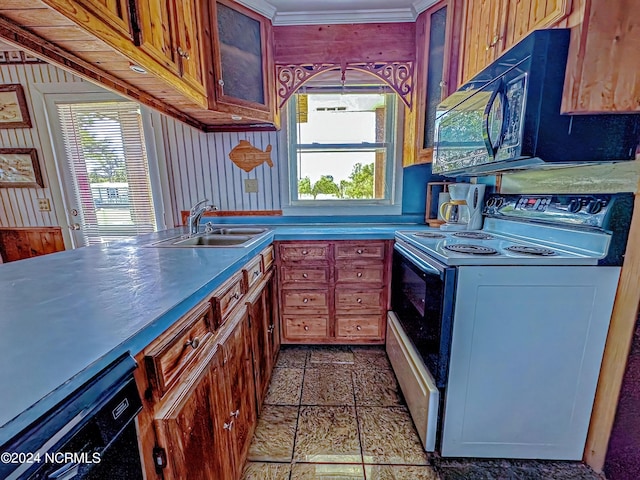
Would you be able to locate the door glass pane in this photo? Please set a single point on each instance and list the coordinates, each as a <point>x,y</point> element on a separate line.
<point>435,72</point>
<point>107,176</point>
<point>241,55</point>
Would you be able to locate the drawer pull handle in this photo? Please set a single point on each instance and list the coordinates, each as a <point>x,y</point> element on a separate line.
<point>359,274</point>
<point>359,300</point>
<point>305,252</point>
<point>359,251</point>
<point>305,275</point>
<point>306,327</point>
<point>235,414</point>
<point>305,300</point>
<point>358,327</point>
<point>228,426</point>
<point>256,273</point>
<point>236,295</point>
<point>193,343</point>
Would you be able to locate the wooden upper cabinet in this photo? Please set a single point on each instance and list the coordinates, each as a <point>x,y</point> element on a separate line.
<point>437,43</point>
<point>489,27</point>
<point>170,32</point>
<point>602,73</point>
<point>243,60</point>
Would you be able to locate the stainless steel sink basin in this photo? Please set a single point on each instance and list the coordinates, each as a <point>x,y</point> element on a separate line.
<point>218,237</point>
<point>213,240</point>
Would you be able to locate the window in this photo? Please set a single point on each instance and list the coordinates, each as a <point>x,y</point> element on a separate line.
<point>342,148</point>
<point>105,171</point>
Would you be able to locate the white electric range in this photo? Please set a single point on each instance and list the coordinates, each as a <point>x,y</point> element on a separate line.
<point>504,328</point>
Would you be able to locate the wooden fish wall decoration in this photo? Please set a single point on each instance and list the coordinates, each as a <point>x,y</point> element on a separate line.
<point>247,157</point>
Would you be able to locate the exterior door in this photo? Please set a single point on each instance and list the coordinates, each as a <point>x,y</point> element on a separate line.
<point>104,170</point>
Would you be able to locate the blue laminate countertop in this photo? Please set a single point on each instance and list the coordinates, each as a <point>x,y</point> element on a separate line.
<point>66,316</point>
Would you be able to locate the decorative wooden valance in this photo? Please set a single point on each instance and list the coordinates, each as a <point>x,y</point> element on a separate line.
<point>398,75</point>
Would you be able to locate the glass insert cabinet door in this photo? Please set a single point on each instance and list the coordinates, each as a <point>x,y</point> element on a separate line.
<point>240,63</point>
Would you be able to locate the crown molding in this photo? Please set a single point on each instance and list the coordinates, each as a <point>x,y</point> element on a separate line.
<point>260,6</point>
<point>390,15</point>
<point>421,5</point>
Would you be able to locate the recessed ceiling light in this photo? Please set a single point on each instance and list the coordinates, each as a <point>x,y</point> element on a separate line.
<point>137,68</point>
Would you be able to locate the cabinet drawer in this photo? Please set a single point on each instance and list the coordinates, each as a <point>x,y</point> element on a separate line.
<point>366,301</point>
<point>297,275</point>
<point>253,272</point>
<point>306,327</point>
<point>310,252</point>
<point>308,301</point>
<point>179,348</point>
<point>267,258</point>
<point>360,251</point>
<point>370,274</point>
<point>226,298</point>
<point>361,326</point>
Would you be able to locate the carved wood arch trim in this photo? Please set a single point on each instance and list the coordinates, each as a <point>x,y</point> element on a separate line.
<point>398,75</point>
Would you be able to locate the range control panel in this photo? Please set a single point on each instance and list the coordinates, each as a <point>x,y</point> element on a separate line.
<point>590,210</point>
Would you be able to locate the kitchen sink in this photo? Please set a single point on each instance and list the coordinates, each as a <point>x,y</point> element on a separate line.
<point>218,237</point>
<point>213,240</point>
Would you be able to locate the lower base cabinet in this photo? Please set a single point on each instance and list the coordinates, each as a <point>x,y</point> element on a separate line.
<point>202,385</point>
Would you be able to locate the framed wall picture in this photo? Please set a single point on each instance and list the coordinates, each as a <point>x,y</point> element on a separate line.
<point>13,107</point>
<point>19,167</point>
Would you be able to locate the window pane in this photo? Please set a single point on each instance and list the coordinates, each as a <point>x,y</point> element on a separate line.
<point>338,118</point>
<point>341,175</point>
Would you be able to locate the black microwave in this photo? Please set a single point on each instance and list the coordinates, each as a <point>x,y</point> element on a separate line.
<point>508,117</point>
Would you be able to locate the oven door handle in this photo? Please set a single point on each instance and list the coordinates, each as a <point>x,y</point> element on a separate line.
<point>416,260</point>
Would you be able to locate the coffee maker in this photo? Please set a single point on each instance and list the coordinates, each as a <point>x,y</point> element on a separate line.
<point>464,210</point>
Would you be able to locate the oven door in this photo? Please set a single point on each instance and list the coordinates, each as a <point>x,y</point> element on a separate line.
<point>422,297</point>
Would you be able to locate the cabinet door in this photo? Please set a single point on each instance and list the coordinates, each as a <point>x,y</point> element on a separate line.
<point>260,344</point>
<point>241,62</point>
<point>189,46</point>
<point>239,373</point>
<point>273,329</point>
<point>114,13</point>
<point>437,44</point>
<point>483,34</point>
<point>190,431</point>
<point>156,20</point>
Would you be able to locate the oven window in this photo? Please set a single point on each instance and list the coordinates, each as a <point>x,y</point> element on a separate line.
<point>417,299</point>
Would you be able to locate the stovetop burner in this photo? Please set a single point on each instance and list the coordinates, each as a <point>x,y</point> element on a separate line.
<point>429,235</point>
<point>471,249</point>
<point>529,250</point>
<point>474,235</point>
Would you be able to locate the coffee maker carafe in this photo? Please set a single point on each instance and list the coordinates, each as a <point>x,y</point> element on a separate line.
<point>464,210</point>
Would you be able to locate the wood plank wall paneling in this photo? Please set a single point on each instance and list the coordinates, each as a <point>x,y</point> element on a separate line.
<point>19,206</point>
<point>348,43</point>
<point>198,167</point>
<point>20,243</point>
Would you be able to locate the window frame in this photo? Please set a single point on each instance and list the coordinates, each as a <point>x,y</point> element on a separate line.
<point>391,205</point>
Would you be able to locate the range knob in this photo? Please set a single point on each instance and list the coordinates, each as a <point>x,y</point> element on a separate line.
<point>574,205</point>
<point>594,206</point>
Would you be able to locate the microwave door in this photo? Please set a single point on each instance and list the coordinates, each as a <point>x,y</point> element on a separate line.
<point>460,141</point>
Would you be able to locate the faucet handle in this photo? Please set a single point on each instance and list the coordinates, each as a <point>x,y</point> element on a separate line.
<point>194,209</point>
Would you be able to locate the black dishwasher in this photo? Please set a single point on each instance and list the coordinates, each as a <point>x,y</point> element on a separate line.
<point>91,435</point>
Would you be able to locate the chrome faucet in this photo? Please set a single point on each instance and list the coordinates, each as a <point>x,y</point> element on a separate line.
<point>196,213</point>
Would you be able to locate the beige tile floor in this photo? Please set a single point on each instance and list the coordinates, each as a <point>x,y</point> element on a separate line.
<point>336,413</point>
